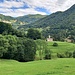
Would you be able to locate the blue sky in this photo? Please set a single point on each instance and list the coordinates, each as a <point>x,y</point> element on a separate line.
<point>17,8</point>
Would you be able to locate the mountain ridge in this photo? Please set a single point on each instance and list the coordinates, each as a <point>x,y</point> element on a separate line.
<point>55,17</point>
<point>21,20</point>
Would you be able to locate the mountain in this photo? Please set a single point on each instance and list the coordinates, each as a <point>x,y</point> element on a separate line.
<point>22,20</point>
<point>30,18</point>
<point>57,18</point>
<point>59,25</point>
<point>8,18</point>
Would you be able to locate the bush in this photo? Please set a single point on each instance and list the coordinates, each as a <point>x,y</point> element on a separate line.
<point>47,54</point>
<point>74,54</point>
<point>61,55</point>
<point>55,44</point>
<point>68,54</point>
<point>64,55</point>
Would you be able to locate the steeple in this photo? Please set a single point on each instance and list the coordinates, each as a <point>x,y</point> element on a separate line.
<point>49,36</point>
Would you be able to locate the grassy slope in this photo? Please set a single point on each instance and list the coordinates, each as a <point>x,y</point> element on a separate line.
<point>62,47</point>
<point>65,66</point>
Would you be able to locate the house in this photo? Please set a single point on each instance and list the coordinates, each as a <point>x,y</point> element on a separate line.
<point>49,38</point>
<point>68,40</point>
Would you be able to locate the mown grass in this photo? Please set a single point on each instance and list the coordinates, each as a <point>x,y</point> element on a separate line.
<point>64,66</point>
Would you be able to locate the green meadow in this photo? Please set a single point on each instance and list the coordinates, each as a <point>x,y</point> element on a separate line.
<point>62,47</point>
<point>63,66</point>
<point>57,66</point>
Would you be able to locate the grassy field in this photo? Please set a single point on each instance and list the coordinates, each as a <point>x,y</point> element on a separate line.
<point>64,66</point>
<point>62,47</point>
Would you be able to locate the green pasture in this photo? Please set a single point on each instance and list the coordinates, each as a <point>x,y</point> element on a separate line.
<point>62,47</point>
<point>57,66</point>
<point>64,66</point>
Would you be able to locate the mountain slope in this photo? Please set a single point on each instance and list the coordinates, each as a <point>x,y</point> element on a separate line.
<point>8,18</point>
<point>19,21</point>
<point>61,18</point>
<point>59,25</point>
<point>30,18</point>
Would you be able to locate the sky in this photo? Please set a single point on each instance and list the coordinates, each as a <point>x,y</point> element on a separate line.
<point>17,8</point>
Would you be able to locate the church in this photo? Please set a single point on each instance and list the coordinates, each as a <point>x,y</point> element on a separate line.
<point>49,39</point>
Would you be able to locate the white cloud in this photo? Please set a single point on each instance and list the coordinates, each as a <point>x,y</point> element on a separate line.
<point>9,4</point>
<point>20,12</point>
<point>50,5</point>
<point>64,4</point>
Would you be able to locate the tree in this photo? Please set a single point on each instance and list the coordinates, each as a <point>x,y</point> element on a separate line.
<point>26,50</point>
<point>41,47</point>
<point>33,34</point>
<point>21,49</point>
<point>19,54</point>
<point>5,28</point>
<point>12,48</point>
<point>10,54</point>
<point>1,51</point>
<point>30,50</point>
<point>3,45</point>
<point>11,39</point>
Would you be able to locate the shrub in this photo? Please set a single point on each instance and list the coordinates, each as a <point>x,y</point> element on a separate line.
<point>74,54</point>
<point>47,54</point>
<point>68,54</point>
<point>61,55</point>
<point>55,44</point>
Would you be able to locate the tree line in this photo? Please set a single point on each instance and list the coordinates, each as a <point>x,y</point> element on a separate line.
<point>24,47</point>
<point>17,45</point>
<point>13,47</point>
